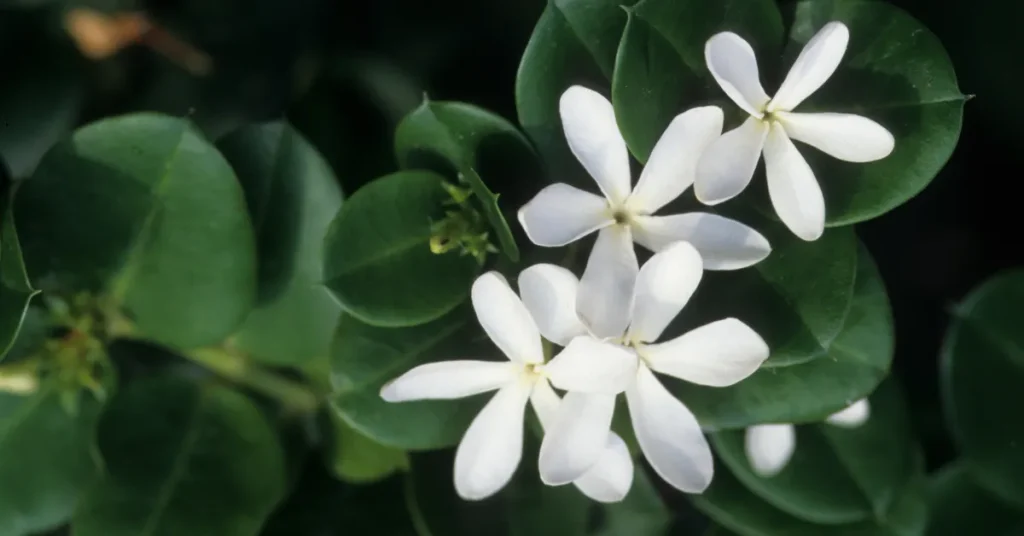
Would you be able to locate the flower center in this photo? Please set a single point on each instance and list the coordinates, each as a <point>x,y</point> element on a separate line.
<point>621,217</point>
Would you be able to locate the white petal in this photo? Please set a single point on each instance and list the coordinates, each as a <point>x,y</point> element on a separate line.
<point>815,64</point>
<point>490,451</point>
<point>611,477</point>
<point>449,379</point>
<point>717,354</point>
<point>848,137</point>
<point>605,296</point>
<point>769,447</point>
<point>669,435</point>
<point>670,169</point>
<point>577,438</point>
<point>593,135</point>
<point>794,191</point>
<point>589,365</point>
<point>545,403</point>
<point>505,319</point>
<point>728,164</point>
<point>853,416</point>
<point>560,214</point>
<point>732,62</point>
<point>549,293</point>
<point>723,244</point>
<point>664,285</point>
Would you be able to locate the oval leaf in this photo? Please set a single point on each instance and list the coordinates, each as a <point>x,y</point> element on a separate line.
<point>46,459</point>
<point>366,357</point>
<point>144,209</point>
<point>292,196</point>
<point>836,475</point>
<point>895,72</point>
<point>378,260</point>
<point>357,459</point>
<point>472,142</point>
<point>982,372</point>
<point>960,506</point>
<point>183,458</point>
<point>16,291</point>
<point>857,361</point>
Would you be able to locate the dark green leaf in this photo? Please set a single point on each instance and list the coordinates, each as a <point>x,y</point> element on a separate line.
<point>16,291</point>
<point>292,196</point>
<point>574,42</point>
<point>641,513</point>
<point>836,475</point>
<point>734,507</point>
<point>143,208</point>
<point>982,372</point>
<point>897,73</point>
<point>857,361</point>
<point>46,459</point>
<point>959,506</point>
<point>365,357</point>
<point>473,143</point>
<point>183,458</point>
<point>378,260</point>
<point>660,69</point>
<point>357,459</point>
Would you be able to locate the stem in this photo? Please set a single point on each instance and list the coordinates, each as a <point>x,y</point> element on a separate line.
<point>234,367</point>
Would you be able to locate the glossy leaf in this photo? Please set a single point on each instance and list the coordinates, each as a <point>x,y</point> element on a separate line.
<point>183,458</point>
<point>378,260</point>
<point>574,42</point>
<point>958,506</point>
<point>167,234</point>
<point>16,291</point>
<point>357,459</point>
<point>836,475</point>
<point>660,69</point>
<point>474,144</point>
<point>292,196</point>
<point>365,357</point>
<point>982,373</point>
<point>731,505</point>
<point>857,361</point>
<point>896,72</point>
<point>46,459</point>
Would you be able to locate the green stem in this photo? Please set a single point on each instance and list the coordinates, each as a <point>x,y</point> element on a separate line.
<point>235,367</point>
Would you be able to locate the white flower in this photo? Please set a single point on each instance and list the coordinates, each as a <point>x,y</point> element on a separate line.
<point>770,446</point>
<point>718,354</point>
<point>491,449</point>
<point>727,166</point>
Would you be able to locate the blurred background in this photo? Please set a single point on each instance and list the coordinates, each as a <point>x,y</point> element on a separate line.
<point>344,72</point>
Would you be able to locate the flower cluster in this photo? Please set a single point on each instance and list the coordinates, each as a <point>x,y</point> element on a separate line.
<point>608,322</point>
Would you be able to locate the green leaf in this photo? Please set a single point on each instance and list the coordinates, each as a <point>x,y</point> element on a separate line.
<point>524,507</point>
<point>378,260</point>
<point>357,459</point>
<point>292,196</point>
<point>365,357</point>
<point>734,507</point>
<point>183,458</point>
<point>660,70</point>
<point>574,42</point>
<point>960,506</point>
<point>46,459</point>
<point>836,475</point>
<point>641,513</point>
<point>982,373</point>
<point>896,72</point>
<point>16,291</point>
<point>144,209</point>
<point>857,361</point>
<point>471,143</point>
